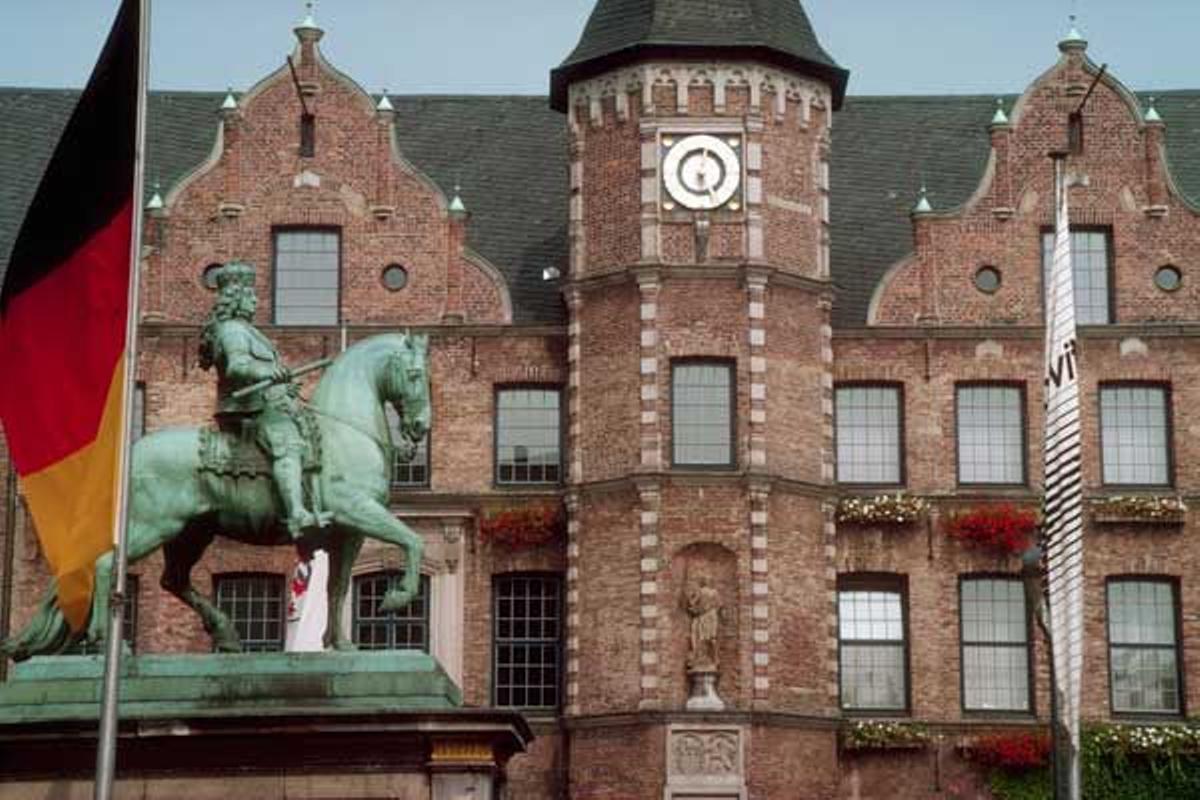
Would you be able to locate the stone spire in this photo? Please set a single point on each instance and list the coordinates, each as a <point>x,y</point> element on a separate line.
<point>620,31</point>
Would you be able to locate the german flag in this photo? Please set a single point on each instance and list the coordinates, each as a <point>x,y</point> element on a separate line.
<point>63,316</point>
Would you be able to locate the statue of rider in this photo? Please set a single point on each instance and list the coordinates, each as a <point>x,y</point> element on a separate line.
<point>243,356</point>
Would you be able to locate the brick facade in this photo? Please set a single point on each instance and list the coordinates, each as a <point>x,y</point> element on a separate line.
<point>643,292</point>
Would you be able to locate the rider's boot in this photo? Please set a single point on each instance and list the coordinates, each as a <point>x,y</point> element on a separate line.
<point>287,471</point>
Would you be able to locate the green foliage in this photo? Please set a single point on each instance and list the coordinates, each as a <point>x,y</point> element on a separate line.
<point>1120,762</point>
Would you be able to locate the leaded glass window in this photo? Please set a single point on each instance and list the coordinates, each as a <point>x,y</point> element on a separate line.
<point>702,414</point>
<point>255,603</point>
<point>307,266</point>
<point>1089,272</point>
<point>1135,435</point>
<point>995,645</point>
<point>868,431</point>
<point>375,629</point>
<point>528,435</point>
<point>872,652</point>
<point>413,472</point>
<point>527,645</point>
<point>991,435</point>
<point>1143,648</point>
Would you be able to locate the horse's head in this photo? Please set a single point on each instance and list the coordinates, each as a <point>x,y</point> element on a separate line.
<point>406,386</point>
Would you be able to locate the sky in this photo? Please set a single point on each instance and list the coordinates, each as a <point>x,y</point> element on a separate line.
<point>509,46</point>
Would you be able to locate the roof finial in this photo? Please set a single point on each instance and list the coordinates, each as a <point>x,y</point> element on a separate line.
<point>922,206</point>
<point>308,28</point>
<point>457,207</point>
<point>1152,112</point>
<point>384,103</point>
<point>156,202</point>
<point>1074,39</point>
<point>999,118</point>
<point>230,103</point>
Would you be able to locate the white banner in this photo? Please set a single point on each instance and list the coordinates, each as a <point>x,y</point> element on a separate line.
<point>1062,529</point>
<point>307,609</point>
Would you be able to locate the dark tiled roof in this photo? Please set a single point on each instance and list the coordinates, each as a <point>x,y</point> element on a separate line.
<point>621,29</point>
<point>509,155</point>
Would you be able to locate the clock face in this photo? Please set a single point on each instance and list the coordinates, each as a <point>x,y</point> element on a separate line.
<point>701,172</point>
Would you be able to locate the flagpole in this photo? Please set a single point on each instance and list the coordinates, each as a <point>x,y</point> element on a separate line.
<point>106,749</point>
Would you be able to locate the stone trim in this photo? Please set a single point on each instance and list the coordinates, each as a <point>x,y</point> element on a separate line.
<point>651,457</point>
<point>756,297</point>
<point>794,95</point>
<point>651,621</point>
<point>571,650</point>
<point>760,496</point>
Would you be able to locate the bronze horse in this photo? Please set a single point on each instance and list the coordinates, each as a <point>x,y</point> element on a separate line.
<point>180,507</point>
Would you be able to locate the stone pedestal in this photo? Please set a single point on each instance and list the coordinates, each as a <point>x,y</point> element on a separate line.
<point>703,691</point>
<point>295,725</point>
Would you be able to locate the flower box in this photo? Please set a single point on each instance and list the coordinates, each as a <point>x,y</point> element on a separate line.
<point>1004,528</point>
<point>879,735</point>
<point>1139,510</point>
<point>523,527</point>
<point>884,509</point>
<point>1009,751</point>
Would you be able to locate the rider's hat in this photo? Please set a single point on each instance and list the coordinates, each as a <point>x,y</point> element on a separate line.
<point>235,274</point>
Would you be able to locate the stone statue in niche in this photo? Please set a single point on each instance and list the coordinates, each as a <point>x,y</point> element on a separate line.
<point>702,603</point>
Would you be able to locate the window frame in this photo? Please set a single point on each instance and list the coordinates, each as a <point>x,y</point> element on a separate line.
<point>1022,401</point>
<point>283,586</point>
<point>560,641</point>
<point>1180,673</point>
<point>391,619</point>
<point>878,582</point>
<point>1168,418</point>
<point>901,433</point>
<point>497,390</point>
<point>1030,651</point>
<point>395,485</point>
<point>1110,272</point>
<point>276,231</point>
<point>731,365</point>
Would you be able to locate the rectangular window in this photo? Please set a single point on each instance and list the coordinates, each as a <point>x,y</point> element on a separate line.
<point>128,624</point>
<point>1135,435</point>
<point>1143,646</point>
<point>526,648</point>
<point>528,435</point>
<point>308,135</point>
<point>375,629</point>
<point>869,426</point>
<point>991,434</point>
<point>255,604</point>
<point>307,267</point>
<point>702,401</point>
<point>412,473</point>
<point>1089,270</point>
<point>872,649</point>
<point>995,644</point>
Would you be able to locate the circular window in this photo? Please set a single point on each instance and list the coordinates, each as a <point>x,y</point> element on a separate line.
<point>209,276</point>
<point>395,277</point>
<point>1168,278</point>
<point>987,279</point>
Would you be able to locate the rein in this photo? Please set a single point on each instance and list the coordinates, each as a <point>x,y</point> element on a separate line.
<point>389,449</point>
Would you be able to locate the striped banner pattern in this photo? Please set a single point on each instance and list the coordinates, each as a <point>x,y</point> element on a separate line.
<point>1062,529</point>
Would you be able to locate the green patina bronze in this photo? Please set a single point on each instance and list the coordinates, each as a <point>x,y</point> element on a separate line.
<point>275,471</point>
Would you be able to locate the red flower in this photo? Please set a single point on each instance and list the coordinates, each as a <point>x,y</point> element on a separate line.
<point>1002,527</point>
<point>524,527</point>
<point>1013,751</point>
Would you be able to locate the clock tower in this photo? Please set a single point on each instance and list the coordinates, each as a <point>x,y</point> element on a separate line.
<point>700,379</point>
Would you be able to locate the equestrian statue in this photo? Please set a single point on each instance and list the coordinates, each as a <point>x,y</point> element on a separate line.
<point>273,471</point>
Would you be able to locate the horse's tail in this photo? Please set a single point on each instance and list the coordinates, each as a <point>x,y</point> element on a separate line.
<point>46,634</point>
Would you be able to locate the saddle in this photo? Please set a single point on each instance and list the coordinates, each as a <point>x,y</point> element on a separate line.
<point>230,448</point>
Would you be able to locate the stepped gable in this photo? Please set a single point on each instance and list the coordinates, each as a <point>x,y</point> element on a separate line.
<point>774,31</point>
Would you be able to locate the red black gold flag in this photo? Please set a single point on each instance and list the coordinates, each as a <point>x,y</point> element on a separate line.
<point>63,310</point>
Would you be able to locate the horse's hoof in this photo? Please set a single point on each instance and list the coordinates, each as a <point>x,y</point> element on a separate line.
<point>395,600</point>
<point>228,646</point>
<point>344,646</point>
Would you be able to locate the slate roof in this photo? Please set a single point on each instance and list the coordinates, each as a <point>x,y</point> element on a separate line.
<point>619,30</point>
<point>509,155</point>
